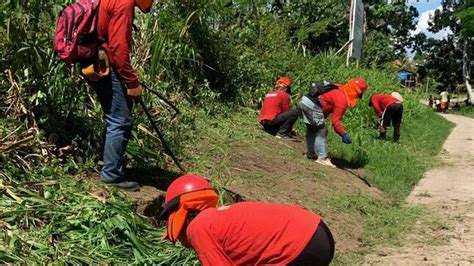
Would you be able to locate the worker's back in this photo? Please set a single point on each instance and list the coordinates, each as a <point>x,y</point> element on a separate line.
<point>251,233</point>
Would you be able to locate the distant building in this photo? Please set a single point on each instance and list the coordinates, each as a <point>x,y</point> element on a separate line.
<point>407,78</point>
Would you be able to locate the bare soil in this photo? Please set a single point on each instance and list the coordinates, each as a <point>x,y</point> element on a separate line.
<point>275,170</point>
<point>447,193</point>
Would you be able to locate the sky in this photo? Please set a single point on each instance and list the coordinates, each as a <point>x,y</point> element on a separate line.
<point>425,9</point>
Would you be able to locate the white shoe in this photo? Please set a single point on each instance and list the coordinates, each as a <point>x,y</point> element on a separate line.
<point>326,162</point>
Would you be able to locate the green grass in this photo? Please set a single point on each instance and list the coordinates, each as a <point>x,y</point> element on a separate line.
<point>464,110</point>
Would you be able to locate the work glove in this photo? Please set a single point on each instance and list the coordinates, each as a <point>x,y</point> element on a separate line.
<point>135,93</point>
<point>346,138</point>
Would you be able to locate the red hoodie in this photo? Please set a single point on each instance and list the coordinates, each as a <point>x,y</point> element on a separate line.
<point>115,31</point>
<point>334,102</point>
<point>275,103</point>
<point>381,102</point>
<point>251,233</point>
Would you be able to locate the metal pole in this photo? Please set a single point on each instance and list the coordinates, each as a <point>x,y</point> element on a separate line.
<point>350,31</point>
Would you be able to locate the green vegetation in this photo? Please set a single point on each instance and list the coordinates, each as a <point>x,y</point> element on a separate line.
<point>215,60</point>
<point>465,111</point>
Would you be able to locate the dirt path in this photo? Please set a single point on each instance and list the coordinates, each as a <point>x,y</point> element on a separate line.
<point>448,192</point>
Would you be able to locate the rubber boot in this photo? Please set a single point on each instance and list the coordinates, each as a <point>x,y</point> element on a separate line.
<point>383,136</point>
<point>396,138</point>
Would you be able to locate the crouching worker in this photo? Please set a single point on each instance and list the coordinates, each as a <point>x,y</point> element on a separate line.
<point>275,114</point>
<point>246,233</point>
<point>324,99</point>
<point>389,110</point>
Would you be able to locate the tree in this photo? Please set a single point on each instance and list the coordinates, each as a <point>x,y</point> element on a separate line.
<point>388,28</point>
<point>458,15</point>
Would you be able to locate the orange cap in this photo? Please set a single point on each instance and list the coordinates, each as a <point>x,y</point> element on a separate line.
<point>283,81</point>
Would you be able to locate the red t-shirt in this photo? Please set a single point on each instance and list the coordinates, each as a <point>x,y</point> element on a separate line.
<point>275,103</point>
<point>251,233</point>
<point>114,28</point>
<point>334,102</point>
<point>381,102</point>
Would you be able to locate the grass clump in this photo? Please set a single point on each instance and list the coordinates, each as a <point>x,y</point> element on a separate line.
<point>383,222</point>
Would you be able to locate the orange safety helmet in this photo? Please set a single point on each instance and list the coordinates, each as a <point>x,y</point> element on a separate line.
<point>353,90</point>
<point>144,5</point>
<point>283,81</point>
<point>186,194</point>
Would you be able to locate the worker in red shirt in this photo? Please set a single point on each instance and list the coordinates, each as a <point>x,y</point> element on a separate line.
<point>389,110</point>
<point>117,91</point>
<point>246,233</point>
<point>316,108</point>
<point>275,114</point>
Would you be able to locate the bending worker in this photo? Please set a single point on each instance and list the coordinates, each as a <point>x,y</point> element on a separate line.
<point>318,104</point>
<point>117,91</point>
<point>275,114</point>
<point>246,233</point>
<point>389,110</point>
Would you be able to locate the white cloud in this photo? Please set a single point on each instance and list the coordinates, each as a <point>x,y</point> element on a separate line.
<point>422,26</point>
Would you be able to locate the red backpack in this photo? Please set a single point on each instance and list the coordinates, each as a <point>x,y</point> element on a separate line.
<point>76,37</point>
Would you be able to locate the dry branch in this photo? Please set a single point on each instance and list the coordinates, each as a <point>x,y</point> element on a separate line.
<point>16,144</point>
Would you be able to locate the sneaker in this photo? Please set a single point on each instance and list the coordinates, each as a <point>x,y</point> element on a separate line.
<point>125,185</point>
<point>286,136</point>
<point>326,162</point>
<point>311,156</point>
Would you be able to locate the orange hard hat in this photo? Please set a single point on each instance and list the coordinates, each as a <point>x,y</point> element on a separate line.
<point>144,5</point>
<point>186,194</point>
<point>283,81</point>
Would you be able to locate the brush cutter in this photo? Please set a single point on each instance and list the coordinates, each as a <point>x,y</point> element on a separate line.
<point>160,136</point>
<point>161,97</point>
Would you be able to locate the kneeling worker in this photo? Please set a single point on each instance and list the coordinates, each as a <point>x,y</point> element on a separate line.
<point>389,109</point>
<point>246,233</point>
<point>275,114</point>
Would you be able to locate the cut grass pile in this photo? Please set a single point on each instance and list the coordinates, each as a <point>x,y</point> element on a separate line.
<point>50,215</point>
<point>66,220</point>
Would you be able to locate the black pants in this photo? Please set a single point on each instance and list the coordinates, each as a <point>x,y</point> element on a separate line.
<point>393,115</point>
<point>283,123</point>
<point>319,250</point>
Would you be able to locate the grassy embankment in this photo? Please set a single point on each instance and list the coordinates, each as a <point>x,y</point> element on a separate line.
<point>393,168</point>
<point>64,219</point>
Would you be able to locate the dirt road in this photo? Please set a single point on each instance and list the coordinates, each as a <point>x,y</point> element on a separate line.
<point>448,192</point>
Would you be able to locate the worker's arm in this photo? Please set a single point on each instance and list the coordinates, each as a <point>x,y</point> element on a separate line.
<point>376,103</point>
<point>206,245</point>
<point>336,119</point>
<point>285,102</point>
<point>120,34</point>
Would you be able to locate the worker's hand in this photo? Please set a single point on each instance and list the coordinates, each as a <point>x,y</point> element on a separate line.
<point>346,138</point>
<point>135,93</point>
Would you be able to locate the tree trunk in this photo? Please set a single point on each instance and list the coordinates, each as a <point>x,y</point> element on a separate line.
<point>466,70</point>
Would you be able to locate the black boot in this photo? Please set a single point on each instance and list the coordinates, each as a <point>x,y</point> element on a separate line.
<point>396,138</point>
<point>383,136</point>
<point>311,156</point>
